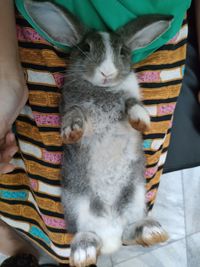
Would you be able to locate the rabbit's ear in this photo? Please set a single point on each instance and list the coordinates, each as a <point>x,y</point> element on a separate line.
<point>59,25</point>
<point>144,30</point>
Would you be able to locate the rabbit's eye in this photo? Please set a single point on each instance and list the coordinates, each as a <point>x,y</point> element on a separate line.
<point>86,47</point>
<point>124,51</point>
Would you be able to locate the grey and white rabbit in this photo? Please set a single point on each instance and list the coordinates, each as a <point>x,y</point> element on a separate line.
<point>103,185</point>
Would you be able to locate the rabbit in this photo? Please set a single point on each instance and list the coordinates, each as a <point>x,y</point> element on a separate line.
<point>103,184</point>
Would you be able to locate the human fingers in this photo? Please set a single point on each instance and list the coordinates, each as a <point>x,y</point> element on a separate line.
<point>6,168</point>
<point>10,139</point>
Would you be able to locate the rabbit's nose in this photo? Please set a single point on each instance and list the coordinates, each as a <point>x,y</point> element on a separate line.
<point>109,75</point>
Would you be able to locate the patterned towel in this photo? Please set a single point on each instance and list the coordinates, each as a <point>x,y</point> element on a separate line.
<point>30,195</point>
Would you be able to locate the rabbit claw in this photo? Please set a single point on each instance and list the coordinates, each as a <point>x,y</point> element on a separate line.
<point>71,135</point>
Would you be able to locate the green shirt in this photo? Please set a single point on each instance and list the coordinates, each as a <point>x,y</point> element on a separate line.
<point>112,14</point>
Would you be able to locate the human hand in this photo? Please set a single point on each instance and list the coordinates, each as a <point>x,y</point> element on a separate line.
<point>8,148</point>
<point>13,96</point>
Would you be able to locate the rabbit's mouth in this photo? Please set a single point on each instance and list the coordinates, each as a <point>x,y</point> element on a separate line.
<point>106,83</point>
<point>103,81</point>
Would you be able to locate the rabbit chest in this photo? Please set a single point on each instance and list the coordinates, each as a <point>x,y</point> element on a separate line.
<point>112,148</point>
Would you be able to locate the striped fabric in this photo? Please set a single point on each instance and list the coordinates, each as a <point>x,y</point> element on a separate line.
<point>30,195</point>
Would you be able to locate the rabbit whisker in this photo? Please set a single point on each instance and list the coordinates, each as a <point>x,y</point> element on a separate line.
<point>83,52</point>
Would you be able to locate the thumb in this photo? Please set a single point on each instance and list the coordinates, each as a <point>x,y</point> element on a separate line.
<point>4,129</point>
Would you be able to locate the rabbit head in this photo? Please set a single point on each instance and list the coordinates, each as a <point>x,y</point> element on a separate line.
<point>101,58</point>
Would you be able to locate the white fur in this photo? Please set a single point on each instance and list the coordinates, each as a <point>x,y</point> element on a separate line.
<point>137,210</point>
<point>149,231</point>
<point>108,228</point>
<point>83,257</point>
<point>107,66</point>
<point>106,72</point>
<point>110,159</point>
<point>138,112</point>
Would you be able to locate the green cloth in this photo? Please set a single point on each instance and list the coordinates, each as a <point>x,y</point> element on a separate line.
<point>112,14</point>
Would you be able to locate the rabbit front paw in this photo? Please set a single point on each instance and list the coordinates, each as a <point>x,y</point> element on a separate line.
<point>72,129</point>
<point>139,118</point>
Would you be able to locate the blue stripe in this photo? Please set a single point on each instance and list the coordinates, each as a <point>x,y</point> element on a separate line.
<point>35,231</point>
<point>17,195</point>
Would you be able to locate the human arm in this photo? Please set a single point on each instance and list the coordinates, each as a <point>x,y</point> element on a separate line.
<point>13,90</point>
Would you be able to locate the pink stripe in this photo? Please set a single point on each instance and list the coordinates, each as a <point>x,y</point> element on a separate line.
<point>166,109</point>
<point>59,79</point>
<point>28,34</point>
<point>150,172</point>
<point>53,157</point>
<point>148,76</point>
<point>54,222</point>
<point>149,195</point>
<point>34,184</point>
<point>50,120</point>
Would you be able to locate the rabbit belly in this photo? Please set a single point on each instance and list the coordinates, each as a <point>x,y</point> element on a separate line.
<point>112,160</point>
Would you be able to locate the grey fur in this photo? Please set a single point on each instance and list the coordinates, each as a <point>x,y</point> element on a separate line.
<point>90,200</point>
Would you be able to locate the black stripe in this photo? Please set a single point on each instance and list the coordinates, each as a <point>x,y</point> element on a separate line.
<point>17,171</point>
<point>56,230</point>
<point>41,145</point>
<point>44,179</point>
<point>42,46</point>
<point>149,179</point>
<point>149,206</point>
<point>26,119</point>
<point>165,149</point>
<point>45,109</point>
<point>153,136</point>
<point>173,47</point>
<point>43,67</point>
<point>43,88</point>
<point>36,46</point>
<point>150,152</point>
<point>159,101</point>
<point>29,204</point>
<point>22,22</point>
<point>47,196</point>
<point>39,46</point>
<point>154,186</point>
<point>160,66</point>
<point>31,221</point>
<point>16,187</point>
<point>160,84</point>
<point>39,161</point>
<point>49,129</point>
<point>53,213</point>
<point>161,118</point>
<point>151,165</point>
<point>14,202</point>
<point>43,244</point>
